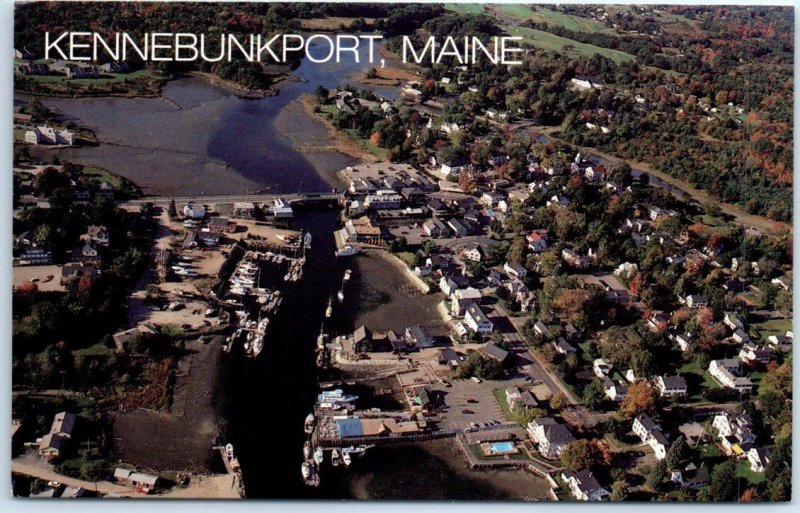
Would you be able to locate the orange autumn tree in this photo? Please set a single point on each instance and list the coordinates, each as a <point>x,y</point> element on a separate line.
<point>641,398</point>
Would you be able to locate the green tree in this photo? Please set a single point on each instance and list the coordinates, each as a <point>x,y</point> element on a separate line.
<point>172,210</point>
<point>655,479</point>
<point>619,491</point>
<point>580,454</point>
<point>594,395</point>
<point>723,484</point>
<point>676,453</point>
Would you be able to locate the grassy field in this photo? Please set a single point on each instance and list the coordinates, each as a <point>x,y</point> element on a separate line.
<point>465,8</point>
<point>772,327</point>
<point>743,471</point>
<point>500,395</point>
<point>707,381</point>
<point>104,78</point>
<point>101,175</point>
<point>331,23</point>
<point>552,43</point>
<point>554,18</point>
<point>330,110</point>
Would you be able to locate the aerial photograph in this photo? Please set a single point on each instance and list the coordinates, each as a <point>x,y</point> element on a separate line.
<point>376,262</point>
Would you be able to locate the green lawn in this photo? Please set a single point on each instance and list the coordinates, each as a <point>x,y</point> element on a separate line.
<point>99,349</point>
<point>554,18</point>
<point>101,175</point>
<point>553,43</point>
<point>465,8</point>
<point>708,381</point>
<point>407,257</point>
<point>500,396</point>
<point>743,471</point>
<point>771,327</point>
<point>105,78</point>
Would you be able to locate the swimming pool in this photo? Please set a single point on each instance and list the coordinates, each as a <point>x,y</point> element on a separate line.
<point>501,447</point>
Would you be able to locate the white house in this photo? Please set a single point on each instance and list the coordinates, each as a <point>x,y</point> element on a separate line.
<point>650,433</point>
<point>759,458</point>
<point>477,321</point>
<point>725,372</point>
<point>550,435</point>
<point>601,367</point>
<point>614,390</point>
<point>516,270</point>
<point>669,386</point>
<point>584,486</point>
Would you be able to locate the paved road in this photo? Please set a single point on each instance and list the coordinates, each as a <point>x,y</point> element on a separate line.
<point>30,468</point>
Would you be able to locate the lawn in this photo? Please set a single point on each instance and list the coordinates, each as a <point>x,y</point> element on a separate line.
<point>771,327</point>
<point>707,381</point>
<point>554,18</point>
<point>101,175</point>
<point>465,8</point>
<point>553,43</point>
<point>407,257</point>
<point>99,349</point>
<point>500,396</point>
<point>329,110</point>
<point>105,78</point>
<point>743,471</point>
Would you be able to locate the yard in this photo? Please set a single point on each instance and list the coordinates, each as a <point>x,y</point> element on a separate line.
<point>743,471</point>
<point>769,327</point>
<point>553,43</point>
<point>554,18</point>
<point>701,377</point>
<point>500,395</point>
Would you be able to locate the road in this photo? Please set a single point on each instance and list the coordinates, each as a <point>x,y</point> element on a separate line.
<point>28,467</point>
<point>163,201</point>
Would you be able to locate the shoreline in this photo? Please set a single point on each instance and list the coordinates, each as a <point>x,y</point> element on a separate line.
<point>342,143</point>
<point>232,87</point>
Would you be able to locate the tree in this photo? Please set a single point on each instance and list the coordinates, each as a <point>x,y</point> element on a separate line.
<point>655,479</point>
<point>557,401</point>
<point>619,491</point>
<point>594,395</point>
<point>676,453</point>
<point>723,484</point>
<point>641,398</point>
<point>750,495</point>
<point>581,454</point>
<point>429,246</point>
<point>172,210</point>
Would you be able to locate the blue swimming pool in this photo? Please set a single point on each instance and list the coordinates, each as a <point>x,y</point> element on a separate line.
<point>501,447</point>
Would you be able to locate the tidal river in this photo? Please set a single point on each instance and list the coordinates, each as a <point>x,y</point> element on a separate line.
<point>200,139</point>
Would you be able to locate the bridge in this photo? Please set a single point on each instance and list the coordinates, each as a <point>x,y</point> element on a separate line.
<point>163,201</point>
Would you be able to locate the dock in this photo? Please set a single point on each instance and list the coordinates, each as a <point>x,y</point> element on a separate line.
<point>233,468</point>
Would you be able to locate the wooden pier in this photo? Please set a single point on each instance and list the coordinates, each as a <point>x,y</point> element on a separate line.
<point>232,468</point>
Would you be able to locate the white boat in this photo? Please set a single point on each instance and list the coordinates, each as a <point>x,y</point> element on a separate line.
<point>322,339</point>
<point>346,458</point>
<point>347,251</point>
<point>309,423</point>
<point>307,449</point>
<point>307,241</point>
<point>347,275</point>
<point>329,310</point>
<point>229,451</point>
<point>340,295</point>
<point>306,470</point>
<point>335,458</point>
<point>319,456</point>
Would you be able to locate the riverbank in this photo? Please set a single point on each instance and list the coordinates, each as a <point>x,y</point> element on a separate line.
<point>232,87</point>
<point>341,142</point>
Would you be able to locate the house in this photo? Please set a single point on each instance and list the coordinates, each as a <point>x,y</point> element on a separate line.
<point>614,390</point>
<point>459,228</point>
<point>192,211</point>
<point>495,353</point>
<point>97,234</point>
<point>601,367</point>
<point>759,458</point>
<point>473,252</point>
<point>281,208</point>
<point>575,260</point>
<point>732,321</point>
<point>454,166</point>
<point>595,173</point>
<point>740,337</point>
<point>420,336</point>
<point>696,301</point>
<point>361,230</point>
<point>669,386</point>
<point>537,242</point>
<point>221,225</point>
<point>585,83</point>
<point>434,228</point>
<point>64,424</point>
<point>781,343</point>
<point>725,373</point>
<point>517,398</point>
<point>516,270</point>
<point>550,435</point>
<point>34,256</point>
<point>48,135</point>
<point>558,201</point>
<point>448,356</point>
<point>477,321</point>
<point>584,486</point>
<point>541,329</point>
<point>752,353</point>
<point>658,321</point>
<point>735,432</point>
<point>649,432</point>
<point>691,476</point>
<point>51,445</point>
<point>564,347</point>
<point>115,67</point>
<point>143,483</point>
<point>383,200</point>
<point>684,341</point>
<point>123,339</point>
<point>72,273</point>
<point>462,298</point>
<point>244,210</point>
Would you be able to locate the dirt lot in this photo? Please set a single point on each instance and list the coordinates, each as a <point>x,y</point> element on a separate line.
<point>23,274</point>
<point>183,438</point>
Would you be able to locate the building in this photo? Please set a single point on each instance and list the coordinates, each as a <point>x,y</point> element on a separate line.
<point>361,230</point>
<point>448,356</point>
<point>517,398</point>
<point>691,476</point>
<point>650,433</point>
<point>495,353</point>
<point>752,353</point>
<point>192,211</point>
<point>584,486</point>
<point>123,339</point>
<point>550,435</point>
<point>383,200</point>
<point>477,321</point>
<point>244,210</point>
<point>48,135</point>
<point>51,445</point>
<point>459,228</point>
<point>696,301</point>
<point>601,367</point>
<point>419,336</point>
<point>98,234</point>
<point>142,483</point>
<point>614,390</point>
<point>362,340</point>
<point>564,347</point>
<point>516,270</point>
<point>759,458</point>
<point>462,298</point>
<point>220,225</point>
<point>473,252</point>
<point>669,386</point>
<point>725,372</point>
<point>281,208</point>
<point>434,228</point>
<point>575,260</point>
<point>72,273</point>
<point>537,242</point>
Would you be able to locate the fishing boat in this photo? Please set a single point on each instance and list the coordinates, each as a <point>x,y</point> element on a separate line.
<point>347,275</point>
<point>319,456</point>
<point>347,251</point>
<point>229,451</point>
<point>340,295</point>
<point>336,459</point>
<point>306,470</point>
<point>329,310</point>
<point>307,449</point>
<point>336,396</point>
<point>309,424</point>
<point>346,458</point>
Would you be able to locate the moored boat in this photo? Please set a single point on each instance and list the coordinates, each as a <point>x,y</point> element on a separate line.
<point>347,251</point>
<point>329,310</point>
<point>305,470</point>
<point>319,455</point>
<point>307,449</point>
<point>347,275</point>
<point>309,423</point>
<point>336,459</point>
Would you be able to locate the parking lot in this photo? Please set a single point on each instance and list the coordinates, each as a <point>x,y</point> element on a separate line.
<point>468,402</point>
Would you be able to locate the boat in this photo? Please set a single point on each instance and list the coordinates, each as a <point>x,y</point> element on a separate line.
<point>340,295</point>
<point>321,359</point>
<point>307,449</point>
<point>347,251</point>
<point>306,470</point>
<point>329,310</point>
<point>309,423</point>
<point>307,241</point>
<point>346,458</point>
<point>347,275</point>
<point>319,456</point>
<point>336,396</point>
<point>335,458</point>
<point>229,451</point>
<point>322,339</point>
